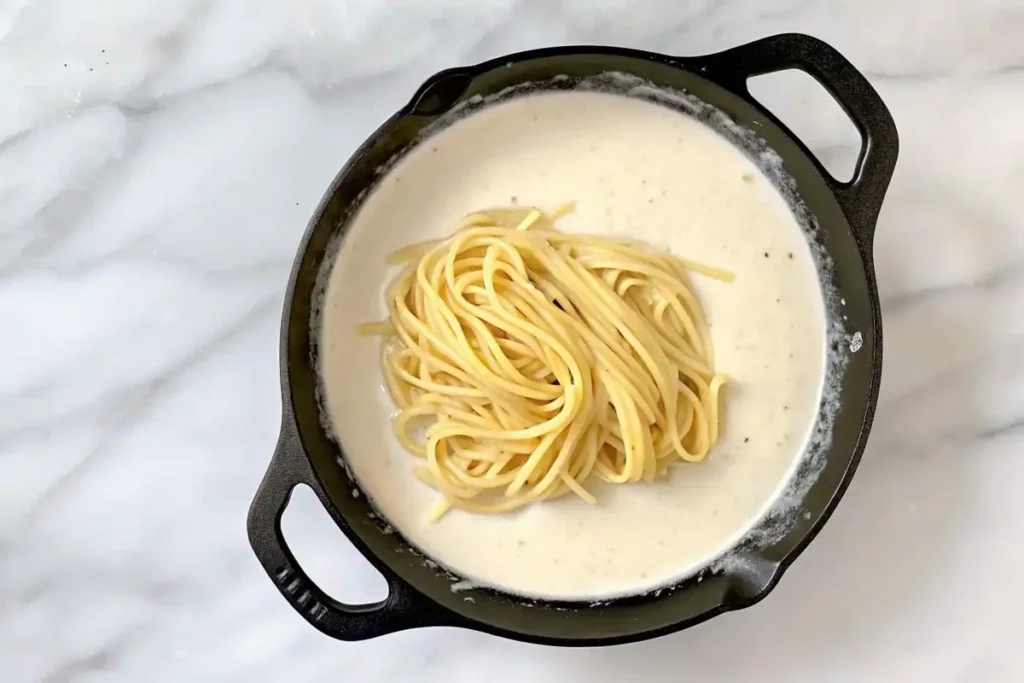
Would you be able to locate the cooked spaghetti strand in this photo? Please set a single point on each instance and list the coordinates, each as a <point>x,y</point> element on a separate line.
<point>541,359</point>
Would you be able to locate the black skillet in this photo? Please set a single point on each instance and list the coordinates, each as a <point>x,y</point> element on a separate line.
<point>845,214</point>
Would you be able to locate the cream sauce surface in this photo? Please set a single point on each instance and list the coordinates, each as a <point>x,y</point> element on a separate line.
<point>635,169</point>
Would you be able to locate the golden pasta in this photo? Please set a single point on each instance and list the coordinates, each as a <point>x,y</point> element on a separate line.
<point>525,361</point>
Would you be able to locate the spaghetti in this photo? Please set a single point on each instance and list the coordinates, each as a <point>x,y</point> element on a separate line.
<point>540,359</point>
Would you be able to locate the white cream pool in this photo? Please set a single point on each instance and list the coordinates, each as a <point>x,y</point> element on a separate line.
<point>635,169</point>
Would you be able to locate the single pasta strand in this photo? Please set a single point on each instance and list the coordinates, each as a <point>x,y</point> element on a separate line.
<point>539,359</point>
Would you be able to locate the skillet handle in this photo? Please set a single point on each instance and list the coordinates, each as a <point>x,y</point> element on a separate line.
<point>402,609</point>
<point>861,197</point>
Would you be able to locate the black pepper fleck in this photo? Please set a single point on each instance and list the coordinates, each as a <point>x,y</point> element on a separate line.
<point>514,199</point>
<point>790,254</point>
<point>766,254</point>
<point>746,439</point>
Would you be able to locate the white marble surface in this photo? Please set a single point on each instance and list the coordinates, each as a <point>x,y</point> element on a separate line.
<point>158,162</point>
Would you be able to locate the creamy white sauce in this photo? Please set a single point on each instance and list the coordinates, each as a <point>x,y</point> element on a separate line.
<point>636,169</point>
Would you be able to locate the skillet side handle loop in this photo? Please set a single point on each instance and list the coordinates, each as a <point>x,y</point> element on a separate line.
<point>861,197</point>
<point>288,468</point>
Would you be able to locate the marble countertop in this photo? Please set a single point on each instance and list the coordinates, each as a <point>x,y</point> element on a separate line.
<point>158,164</point>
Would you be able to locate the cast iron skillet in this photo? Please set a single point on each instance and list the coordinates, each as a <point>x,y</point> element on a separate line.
<point>422,596</point>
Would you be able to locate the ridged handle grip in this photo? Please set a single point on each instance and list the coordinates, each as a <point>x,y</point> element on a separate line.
<point>402,609</point>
